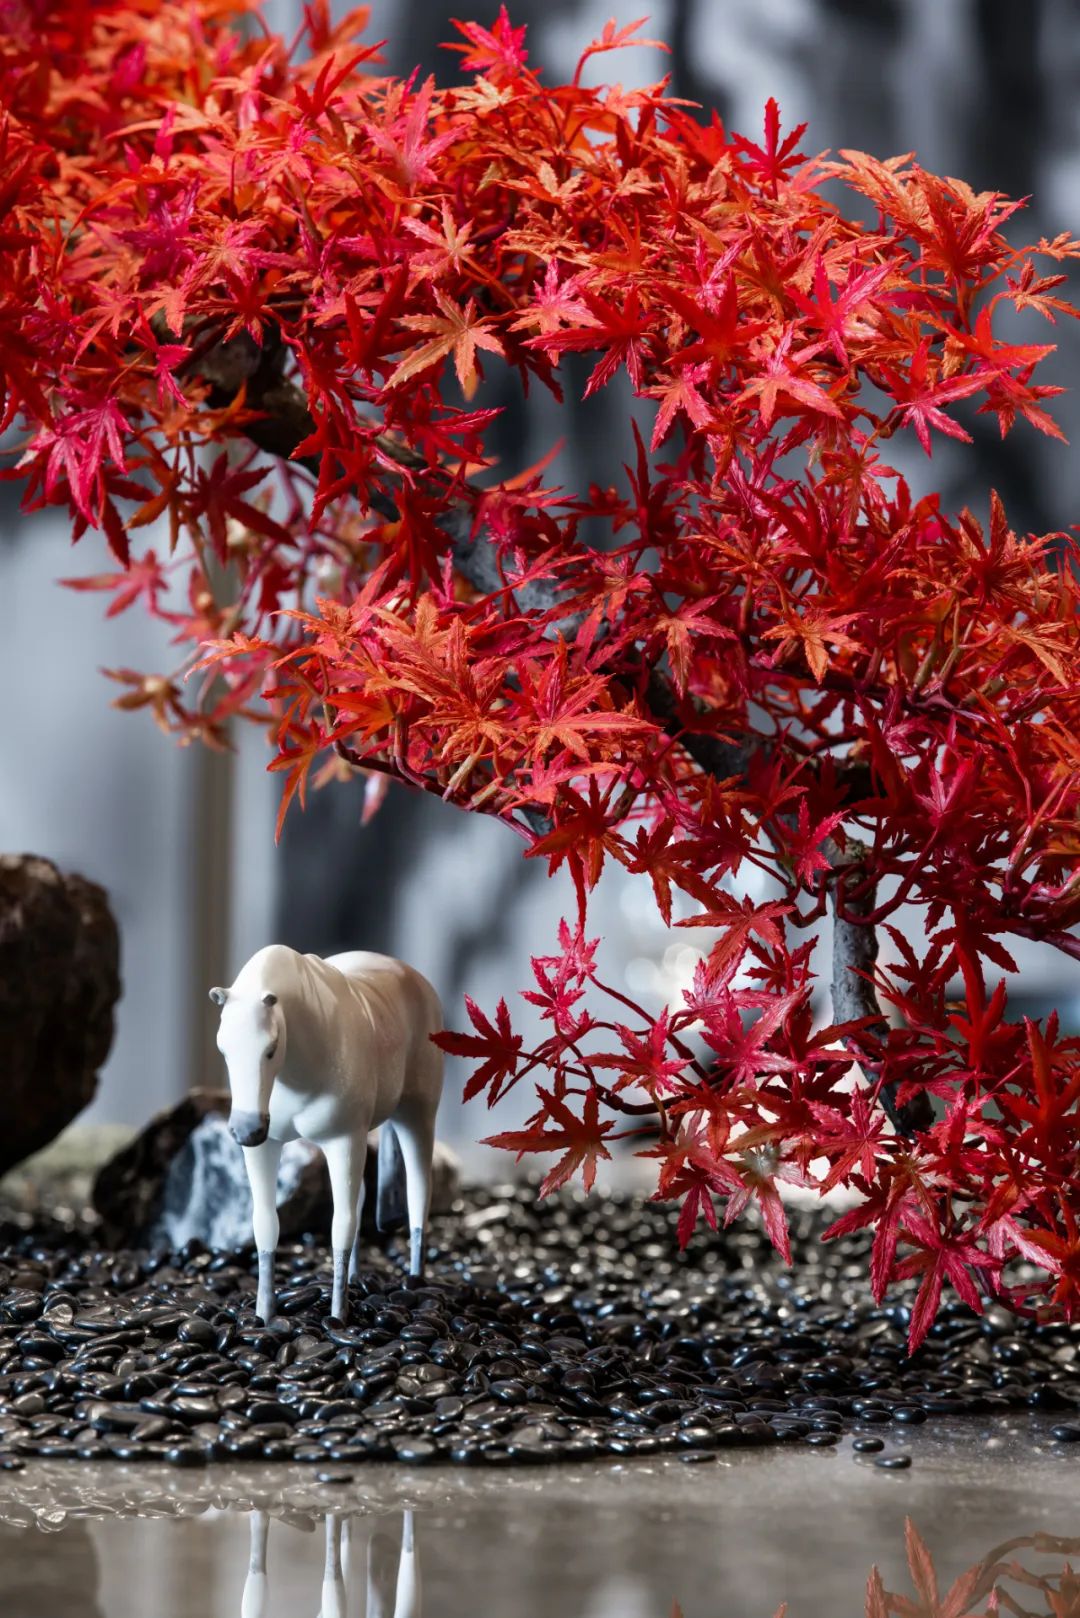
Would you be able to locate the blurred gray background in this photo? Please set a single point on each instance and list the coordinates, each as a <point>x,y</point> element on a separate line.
<point>983,89</point>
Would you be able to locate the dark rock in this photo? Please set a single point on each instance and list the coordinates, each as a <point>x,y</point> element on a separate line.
<point>59,982</point>
<point>183,1179</point>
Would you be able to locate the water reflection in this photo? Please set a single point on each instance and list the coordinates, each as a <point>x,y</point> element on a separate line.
<point>1030,1575</point>
<point>377,1575</point>
<point>391,1581</point>
<point>1010,1578</point>
<point>985,1524</point>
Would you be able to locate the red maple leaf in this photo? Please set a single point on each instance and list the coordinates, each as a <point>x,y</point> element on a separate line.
<point>940,1256</point>
<point>851,1140</point>
<point>495,1045</point>
<point>497,51</point>
<point>583,1139</point>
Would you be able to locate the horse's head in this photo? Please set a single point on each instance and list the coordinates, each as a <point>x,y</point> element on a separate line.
<point>251,1037</point>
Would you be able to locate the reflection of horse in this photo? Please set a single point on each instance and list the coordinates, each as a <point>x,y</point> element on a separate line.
<point>387,1596</point>
<point>326,1051</point>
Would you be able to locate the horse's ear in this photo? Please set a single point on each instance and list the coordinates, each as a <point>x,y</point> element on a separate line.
<point>269,999</point>
<point>219,996</point>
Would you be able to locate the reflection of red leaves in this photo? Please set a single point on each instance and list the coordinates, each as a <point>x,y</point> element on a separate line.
<point>981,1591</point>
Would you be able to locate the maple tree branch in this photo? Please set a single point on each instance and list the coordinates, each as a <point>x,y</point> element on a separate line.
<point>855,948</point>
<point>716,756</point>
<point>537,823</point>
<point>1068,943</point>
<point>285,421</point>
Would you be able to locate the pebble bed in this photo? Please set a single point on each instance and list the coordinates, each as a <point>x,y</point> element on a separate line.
<point>558,1331</point>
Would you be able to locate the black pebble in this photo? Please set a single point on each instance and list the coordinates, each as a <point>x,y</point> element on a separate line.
<point>197,1330</point>
<point>561,1331</point>
<point>185,1455</point>
<point>333,1477</point>
<point>893,1463</point>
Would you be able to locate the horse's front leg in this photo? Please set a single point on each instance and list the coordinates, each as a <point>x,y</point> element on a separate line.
<point>345,1160</point>
<point>262,1170</point>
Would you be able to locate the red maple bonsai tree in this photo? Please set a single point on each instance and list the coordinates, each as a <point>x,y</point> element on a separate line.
<point>250,289</point>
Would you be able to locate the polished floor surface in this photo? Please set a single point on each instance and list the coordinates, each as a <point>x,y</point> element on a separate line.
<point>734,1538</point>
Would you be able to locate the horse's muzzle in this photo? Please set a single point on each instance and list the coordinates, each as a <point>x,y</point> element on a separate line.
<point>249,1128</point>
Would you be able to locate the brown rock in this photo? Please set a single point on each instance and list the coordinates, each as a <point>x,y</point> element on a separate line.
<point>59,982</point>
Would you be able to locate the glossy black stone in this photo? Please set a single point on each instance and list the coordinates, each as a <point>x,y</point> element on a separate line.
<point>545,1332</point>
<point>912,1415</point>
<point>185,1455</point>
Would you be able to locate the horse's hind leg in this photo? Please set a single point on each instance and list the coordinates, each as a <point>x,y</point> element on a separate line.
<point>354,1261</point>
<point>416,1137</point>
<point>345,1160</point>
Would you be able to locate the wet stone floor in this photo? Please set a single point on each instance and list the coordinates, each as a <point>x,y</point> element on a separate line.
<point>994,1501</point>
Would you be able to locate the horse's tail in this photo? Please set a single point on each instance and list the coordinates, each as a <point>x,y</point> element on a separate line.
<point>391,1207</point>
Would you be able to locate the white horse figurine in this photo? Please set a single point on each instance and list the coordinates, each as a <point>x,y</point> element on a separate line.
<point>326,1050</point>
